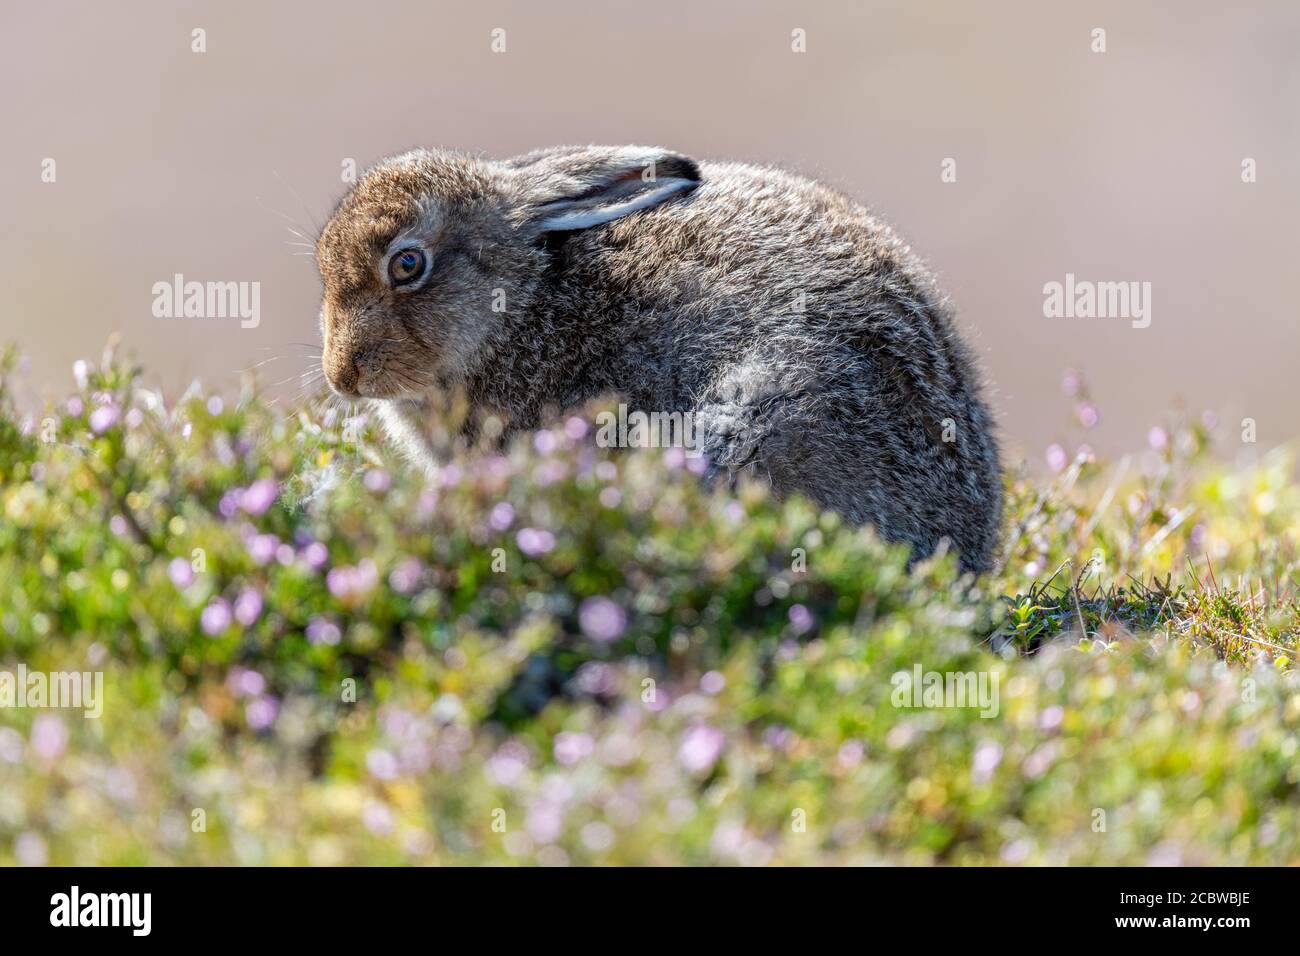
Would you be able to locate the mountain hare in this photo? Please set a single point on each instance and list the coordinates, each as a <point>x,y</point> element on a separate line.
<point>809,343</point>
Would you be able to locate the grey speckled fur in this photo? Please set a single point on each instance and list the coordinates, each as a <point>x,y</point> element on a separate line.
<point>810,342</point>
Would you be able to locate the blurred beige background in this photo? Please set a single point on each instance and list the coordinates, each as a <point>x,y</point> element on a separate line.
<point>1117,166</point>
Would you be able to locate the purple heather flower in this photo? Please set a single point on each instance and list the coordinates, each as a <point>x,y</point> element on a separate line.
<point>215,405</point>
<point>75,406</point>
<point>225,454</point>
<point>1157,437</point>
<point>1017,851</point>
<point>258,497</point>
<point>851,753</point>
<point>316,554</point>
<point>181,572</point>
<point>777,736</point>
<point>601,619</point>
<point>1056,458</point>
<point>700,748</point>
<point>30,850</point>
<point>575,428</point>
<point>349,583</point>
<point>602,680</point>
<point>378,481</point>
<point>382,764</point>
<point>544,821</point>
<point>49,737</point>
<point>229,504</point>
<point>1071,382</point>
<point>321,630</point>
<point>215,618</point>
<point>713,682</point>
<point>697,464</point>
<point>262,548</point>
<point>11,745</point>
<point>244,682</point>
<point>544,442</point>
<point>103,418</point>
<point>508,763</point>
<point>674,457</point>
<point>134,418</point>
<point>248,607</point>
<point>377,818</point>
<point>501,516</point>
<point>801,619</point>
<point>570,748</point>
<point>987,758</point>
<point>550,471</point>
<point>1088,415</point>
<point>260,712</point>
<point>284,555</point>
<point>427,503</point>
<point>404,578</point>
<point>451,476</point>
<point>534,542</point>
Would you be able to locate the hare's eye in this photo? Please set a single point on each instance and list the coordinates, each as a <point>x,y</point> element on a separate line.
<point>406,266</point>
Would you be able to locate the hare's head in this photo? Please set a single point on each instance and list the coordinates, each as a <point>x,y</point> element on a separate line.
<point>431,251</point>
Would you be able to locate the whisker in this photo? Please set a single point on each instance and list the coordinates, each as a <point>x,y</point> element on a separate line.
<point>286,217</point>
<point>294,193</point>
<point>265,361</point>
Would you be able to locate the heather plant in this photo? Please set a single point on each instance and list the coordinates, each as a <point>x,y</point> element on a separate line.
<point>557,653</point>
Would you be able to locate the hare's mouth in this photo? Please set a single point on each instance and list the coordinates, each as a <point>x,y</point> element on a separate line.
<point>393,383</point>
<point>379,387</point>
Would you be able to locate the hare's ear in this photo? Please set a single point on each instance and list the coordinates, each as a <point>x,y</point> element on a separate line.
<point>570,189</point>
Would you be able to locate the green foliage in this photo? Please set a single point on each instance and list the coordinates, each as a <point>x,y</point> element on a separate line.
<point>561,653</point>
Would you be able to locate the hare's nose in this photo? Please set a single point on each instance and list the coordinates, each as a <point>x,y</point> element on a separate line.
<point>343,370</point>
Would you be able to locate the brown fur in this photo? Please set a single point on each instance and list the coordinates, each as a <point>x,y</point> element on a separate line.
<point>811,344</point>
